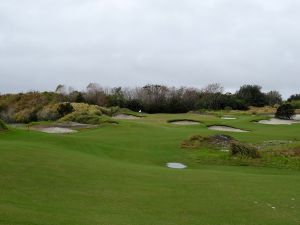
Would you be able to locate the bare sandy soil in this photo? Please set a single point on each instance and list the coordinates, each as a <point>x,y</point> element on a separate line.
<point>228,118</point>
<point>225,128</point>
<point>275,121</point>
<point>297,117</point>
<point>57,130</point>
<point>185,122</point>
<point>125,117</point>
<point>176,165</point>
<point>62,128</point>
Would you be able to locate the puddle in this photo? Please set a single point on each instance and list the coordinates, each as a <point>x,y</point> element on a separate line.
<point>176,165</point>
<point>225,128</point>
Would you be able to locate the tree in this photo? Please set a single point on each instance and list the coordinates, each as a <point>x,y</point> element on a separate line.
<point>252,95</point>
<point>116,98</point>
<point>273,97</point>
<point>61,89</point>
<point>95,95</point>
<point>285,111</point>
<point>213,88</point>
<point>295,97</point>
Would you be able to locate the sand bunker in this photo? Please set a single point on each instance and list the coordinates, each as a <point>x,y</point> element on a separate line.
<point>176,165</point>
<point>275,121</point>
<point>185,122</point>
<point>125,117</point>
<point>57,130</point>
<point>225,128</point>
<point>297,117</point>
<point>75,125</point>
<point>228,118</point>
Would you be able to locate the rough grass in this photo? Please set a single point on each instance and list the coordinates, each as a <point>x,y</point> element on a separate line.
<point>86,118</point>
<point>242,150</point>
<point>116,175</point>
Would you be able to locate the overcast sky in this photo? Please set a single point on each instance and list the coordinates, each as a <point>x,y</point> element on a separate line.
<point>135,42</point>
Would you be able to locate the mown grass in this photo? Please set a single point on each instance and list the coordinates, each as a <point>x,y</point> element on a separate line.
<point>116,175</point>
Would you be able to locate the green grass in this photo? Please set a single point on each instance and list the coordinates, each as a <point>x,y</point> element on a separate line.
<point>116,175</point>
<point>2,126</point>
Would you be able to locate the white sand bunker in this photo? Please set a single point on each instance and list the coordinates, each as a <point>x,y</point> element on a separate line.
<point>125,117</point>
<point>57,130</point>
<point>275,121</point>
<point>297,117</point>
<point>185,122</point>
<point>225,128</point>
<point>228,118</point>
<point>174,165</point>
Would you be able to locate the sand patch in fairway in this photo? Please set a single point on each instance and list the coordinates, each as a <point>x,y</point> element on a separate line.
<point>226,128</point>
<point>57,130</point>
<point>228,118</point>
<point>297,117</point>
<point>275,121</point>
<point>125,117</point>
<point>175,165</point>
<point>184,122</point>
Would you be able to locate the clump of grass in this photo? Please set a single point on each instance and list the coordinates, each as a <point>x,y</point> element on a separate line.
<point>238,149</point>
<point>215,141</point>
<point>294,152</point>
<point>195,141</point>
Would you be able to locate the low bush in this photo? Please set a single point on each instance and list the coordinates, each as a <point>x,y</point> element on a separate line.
<point>86,108</point>
<point>287,152</point>
<point>195,141</point>
<point>285,111</point>
<point>238,149</point>
<point>64,109</point>
<point>218,141</point>
<point>25,116</point>
<point>49,112</point>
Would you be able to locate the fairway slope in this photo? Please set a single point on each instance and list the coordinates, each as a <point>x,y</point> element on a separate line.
<point>117,175</point>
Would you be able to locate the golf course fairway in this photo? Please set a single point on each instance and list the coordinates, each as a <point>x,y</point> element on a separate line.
<point>116,174</point>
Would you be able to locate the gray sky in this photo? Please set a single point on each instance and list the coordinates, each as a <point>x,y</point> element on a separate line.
<point>135,42</point>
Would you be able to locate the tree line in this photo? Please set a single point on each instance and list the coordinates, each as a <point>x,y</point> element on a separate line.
<point>163,99</point>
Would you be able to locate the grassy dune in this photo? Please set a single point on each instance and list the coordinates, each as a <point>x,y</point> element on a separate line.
<point>116,175</point>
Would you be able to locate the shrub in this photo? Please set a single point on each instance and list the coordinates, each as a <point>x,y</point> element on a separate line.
<point>25,116</point>
<point>238,149</point>
<point>252,95</point>
<point>86,118</point>
<point>64,109</point>
<point>215,141</point>
<point>285,111</point>
<point>89,109</point>
<point>49,112</point>
<point>295,104</point>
